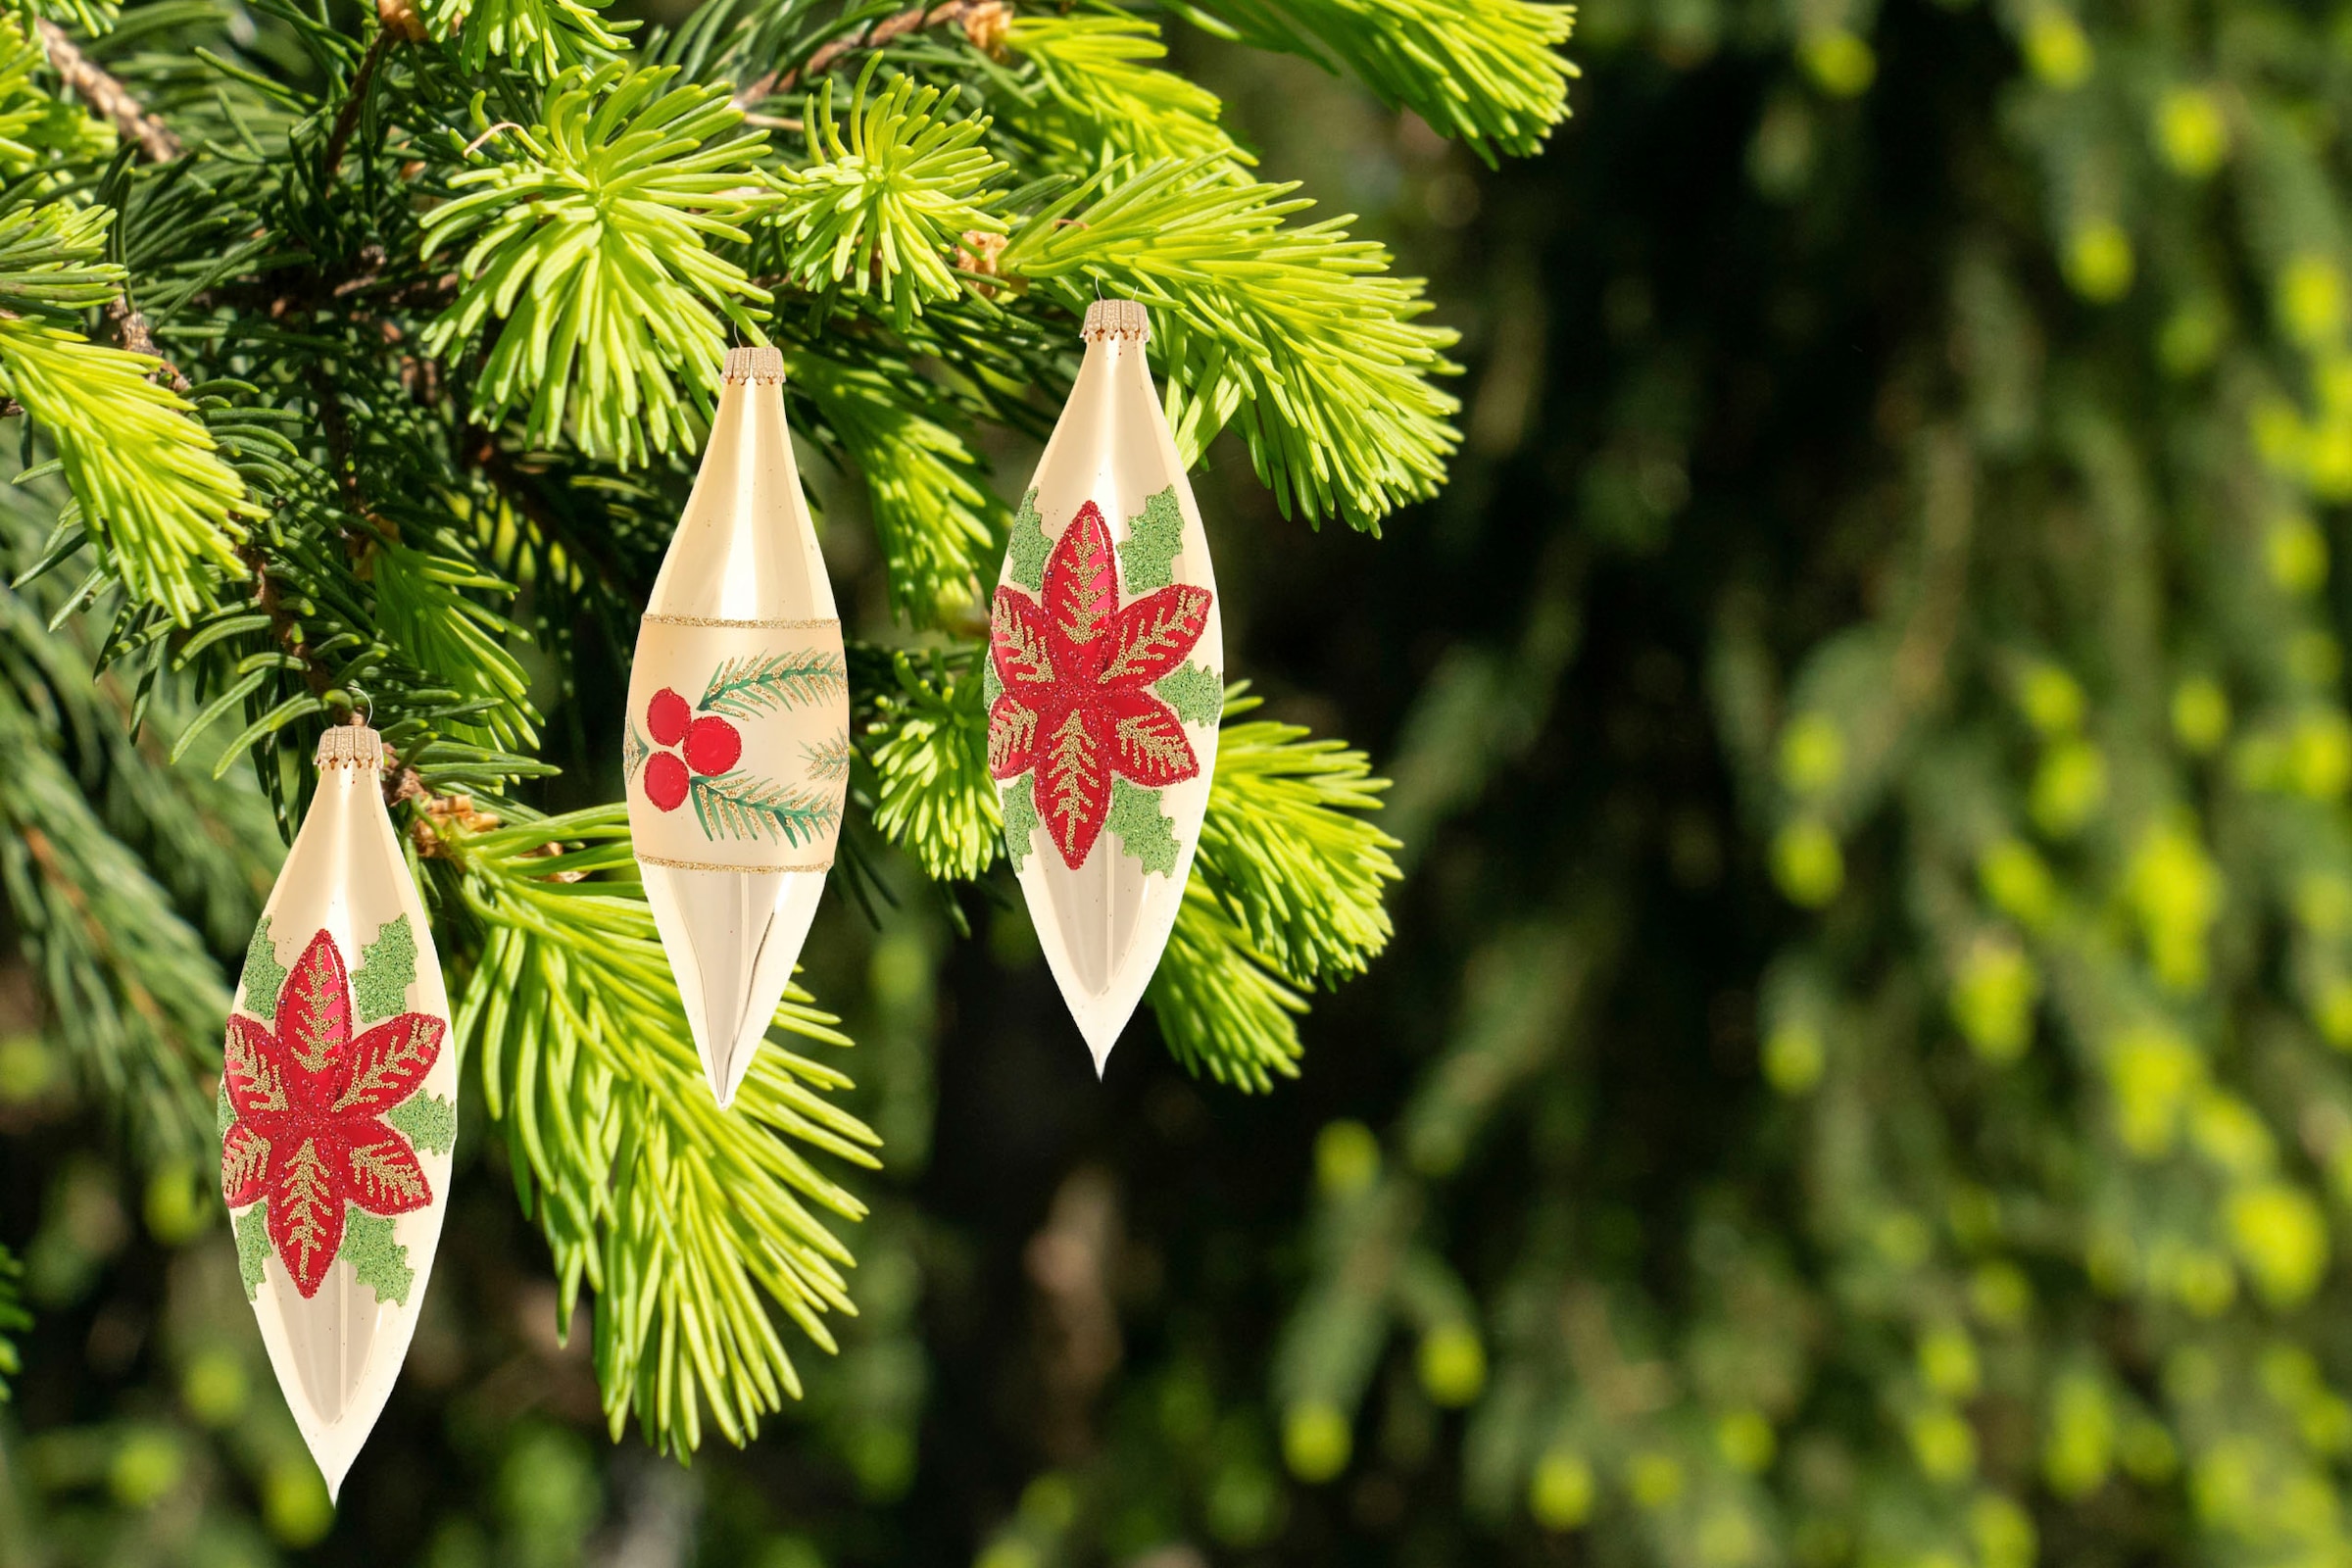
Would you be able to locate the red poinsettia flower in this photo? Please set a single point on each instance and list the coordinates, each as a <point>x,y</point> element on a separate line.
<point>1078,666</point>
<point>309,1134</point>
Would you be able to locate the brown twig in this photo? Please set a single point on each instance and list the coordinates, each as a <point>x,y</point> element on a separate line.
<point>284,629</point>
<point>347,119</point>
<point>982,20</point>
<point>104,93</point>
<point>132,333</point>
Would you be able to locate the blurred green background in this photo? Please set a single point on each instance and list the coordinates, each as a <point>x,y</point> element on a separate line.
<point>1861,1073</point>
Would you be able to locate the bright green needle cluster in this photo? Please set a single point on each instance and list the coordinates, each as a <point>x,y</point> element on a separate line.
<point>1099,78</point>
<point>888,198</point>
<point>1294,334</point>
<point>590,248</point>
<point>689,1221</point>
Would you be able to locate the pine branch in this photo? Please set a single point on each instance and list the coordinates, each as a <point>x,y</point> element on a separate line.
<point>939,524</point>
<point>1285,853</point>
<point>589,244</point>
<point>1095,73</point>
<point>347,118</point>
<point>1486,71</point>
<point>1296,334</point>
<point>929,747</point>
<point>1222,1007</point>
<point>546,37</point>
<point>686,1220</point>
<point>107,95</point>
<point>880,206</point>
<point>983,23</point>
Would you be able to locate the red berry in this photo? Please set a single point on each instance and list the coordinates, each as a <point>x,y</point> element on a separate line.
<point>712,746</point>
<point>666,780</point>
<point>666,717</point>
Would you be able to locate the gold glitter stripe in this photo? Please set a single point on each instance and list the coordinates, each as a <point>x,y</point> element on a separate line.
<point>748,625</point>
<point>644,858</point>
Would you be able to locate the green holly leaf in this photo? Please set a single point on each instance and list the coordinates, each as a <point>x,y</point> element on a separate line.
<point>379,987</point>
<point>381,1263</point>
<point>1026,551</point>
<point>264,976</point>
<point>1195,691</point>
<point>252,1246</point>
<point>1146,561</point>
<point>1020,818</point>
<point>427,1121</point>
<point>1144,832</point>
<point>224,1114</point>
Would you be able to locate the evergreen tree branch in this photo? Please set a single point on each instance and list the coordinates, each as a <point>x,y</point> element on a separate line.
<point>1285,853</point>
<point>983,23</point>
<point>683,1218</point>
<point>107,95</point>
<point>588,244</point>
<point>1486,71</point>
<point>1297,334</point>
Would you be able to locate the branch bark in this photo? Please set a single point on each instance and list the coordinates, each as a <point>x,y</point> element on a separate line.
<point>982,20</point>
<point>103,92</point>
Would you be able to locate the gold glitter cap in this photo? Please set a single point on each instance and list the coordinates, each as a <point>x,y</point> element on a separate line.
<point>753,365</point>
<point>1121,318</point>
<point>350,746</point>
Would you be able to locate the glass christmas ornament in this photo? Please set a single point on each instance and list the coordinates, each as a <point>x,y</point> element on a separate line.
<point>737,745</point>
<point>338,1108</point>
<point>1105,682</point>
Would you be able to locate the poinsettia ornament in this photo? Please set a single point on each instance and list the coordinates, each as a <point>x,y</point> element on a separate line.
<point>737,745</point>
<point>1105,682</point>
<point>337,1109</point>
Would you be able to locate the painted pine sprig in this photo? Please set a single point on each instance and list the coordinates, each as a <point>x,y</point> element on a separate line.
<point>829,761</point>
<point>754,684</point>
<point>736,805</point>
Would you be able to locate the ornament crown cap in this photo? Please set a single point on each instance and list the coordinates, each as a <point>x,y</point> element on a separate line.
<point>1126,320</point>
<point>753,365</point>
<point>350,746</point>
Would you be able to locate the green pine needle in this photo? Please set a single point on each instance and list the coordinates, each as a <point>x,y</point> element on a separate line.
<point>1221,1009</point>
<point>1098,76</point>
<point>1487,70</point>
<point>145,475</point>
<point>939,527</point>
<point>421,604</point>
<point>930,754</point>
<point>881,207</point>
<point>1287,852</point>
<point>689,1222</point>
<point>1298,335</point>
<point>544,37</point>
<point>590,239</point>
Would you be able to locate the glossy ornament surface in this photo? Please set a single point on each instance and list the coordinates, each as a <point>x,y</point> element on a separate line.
<point>1105,683</point>
<point>736,749</point>
<point>337,1109</point>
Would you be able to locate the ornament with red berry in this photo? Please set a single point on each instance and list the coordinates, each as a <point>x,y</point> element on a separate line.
<point>337,1109</point>
<point>1105,682</point>
<point>736,747</point>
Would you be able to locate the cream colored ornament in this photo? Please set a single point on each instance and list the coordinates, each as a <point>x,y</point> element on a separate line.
<point>737,747</point>
<point>338,1109</point>
<point>1105,683</point>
